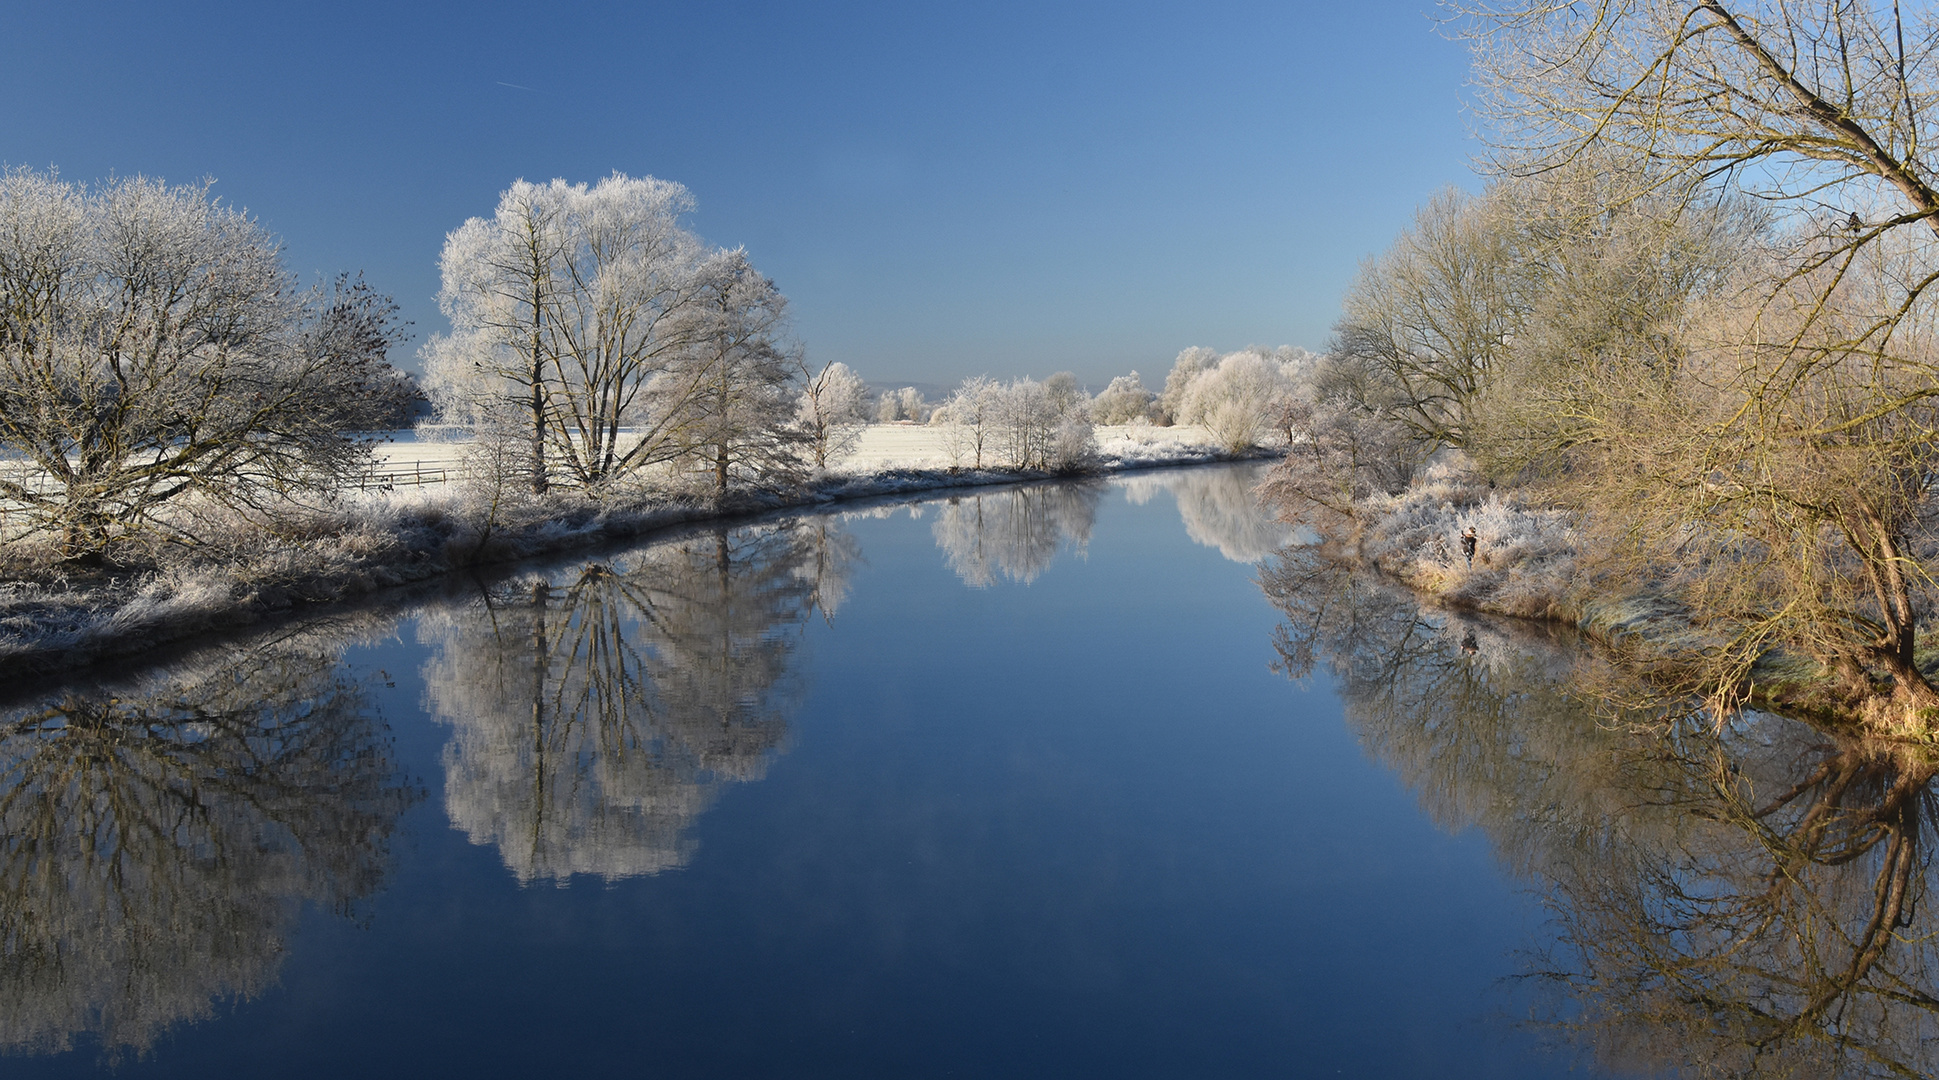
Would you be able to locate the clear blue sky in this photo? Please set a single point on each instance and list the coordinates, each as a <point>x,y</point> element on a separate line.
<point>941,189</point>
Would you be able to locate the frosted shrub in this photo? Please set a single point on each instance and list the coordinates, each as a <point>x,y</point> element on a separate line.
<point>1339,455</point>
<point>1525,557</point>
<point>1238,400</point>
<point>903,404</point>
<point>1043,425</point>
<point>1125,401</point>
<point>1238,396</point>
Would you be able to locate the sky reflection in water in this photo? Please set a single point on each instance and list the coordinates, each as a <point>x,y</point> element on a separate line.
<point>1009,782</point>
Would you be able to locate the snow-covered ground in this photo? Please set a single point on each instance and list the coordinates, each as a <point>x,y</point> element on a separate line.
<point>882,446</point>
<point>919,446</point>
<point>410,524</point>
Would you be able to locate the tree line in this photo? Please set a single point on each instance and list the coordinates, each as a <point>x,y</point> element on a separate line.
<point>1692,305</point>
<point>162,371</point>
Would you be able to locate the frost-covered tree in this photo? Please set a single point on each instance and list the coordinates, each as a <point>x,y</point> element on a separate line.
<point>1434,314</point>
<point>1183,370</point>
<point>1043,425</point>
<point>563,307</point>
<point>1124,401</point>
<point>500,276</point>
<point>730,400</point>
<point>1075,442</point>
<point>973,412</point>
<point>1239,399</point>
<point>903,404</point>
<point>1067,396</point>
<point>153,346</point>
<point>832,408</point>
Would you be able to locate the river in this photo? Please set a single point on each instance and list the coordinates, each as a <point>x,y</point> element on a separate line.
<point>1088,779</point>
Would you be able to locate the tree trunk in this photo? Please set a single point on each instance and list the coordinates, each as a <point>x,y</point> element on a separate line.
<point>538,420</point>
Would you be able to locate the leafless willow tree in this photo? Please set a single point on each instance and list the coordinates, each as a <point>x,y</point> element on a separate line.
<point>155,349</point>
<point>1433,315</point>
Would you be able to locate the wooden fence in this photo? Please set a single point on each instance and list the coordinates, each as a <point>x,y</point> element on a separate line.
<point>390,475</point>
<point>381,476</point>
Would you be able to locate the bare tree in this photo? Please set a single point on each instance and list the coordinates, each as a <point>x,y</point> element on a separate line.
<point>1816,110</point>
<point>153,346</point>
<point>1435,312</point>
<point>1774,467</point>
<point>831,411</point>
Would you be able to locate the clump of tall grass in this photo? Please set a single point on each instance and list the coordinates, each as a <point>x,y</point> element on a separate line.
<point>1526,557</point>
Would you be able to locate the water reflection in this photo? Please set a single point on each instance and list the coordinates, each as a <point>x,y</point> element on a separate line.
<point>1737,901</point>
<point>1014,532</point>
<point>1218,508</point>
<point>597,711</point>
<point>160,839</point>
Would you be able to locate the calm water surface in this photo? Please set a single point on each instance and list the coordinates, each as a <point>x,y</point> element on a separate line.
<point>1024,782</point>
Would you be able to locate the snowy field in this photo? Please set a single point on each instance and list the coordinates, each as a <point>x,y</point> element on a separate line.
<point>882,446</point>
<point>918,446</point>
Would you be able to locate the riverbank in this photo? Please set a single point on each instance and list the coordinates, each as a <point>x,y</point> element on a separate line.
<point>378,540</point>
<point>1530,562</point>
<point>1535,563</point>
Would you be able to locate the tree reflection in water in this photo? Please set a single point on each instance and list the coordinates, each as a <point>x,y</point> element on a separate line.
<point>1014,532</point>
<point>1218,508</point>
<point>597,711</point>
<point>1743,901</point>
<point>160,839</point>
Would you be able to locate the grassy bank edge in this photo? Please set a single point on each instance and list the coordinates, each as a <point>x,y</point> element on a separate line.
<point>1531,563</point>
<point>330,558</point>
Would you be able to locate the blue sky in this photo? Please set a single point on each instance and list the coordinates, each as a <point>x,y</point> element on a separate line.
<point>941,190</point>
